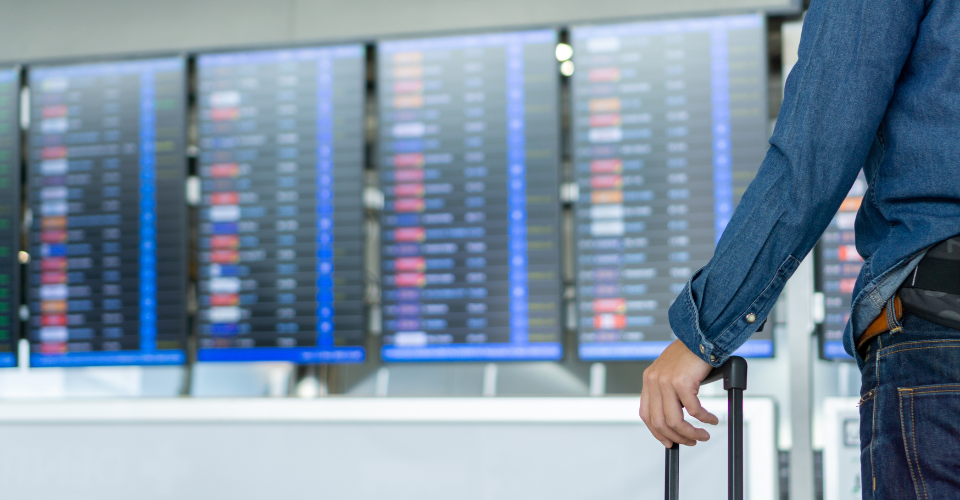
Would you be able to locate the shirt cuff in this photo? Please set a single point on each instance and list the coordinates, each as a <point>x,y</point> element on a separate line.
<point>685,323</point>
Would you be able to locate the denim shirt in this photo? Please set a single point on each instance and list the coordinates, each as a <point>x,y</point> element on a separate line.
<point>876,87</point>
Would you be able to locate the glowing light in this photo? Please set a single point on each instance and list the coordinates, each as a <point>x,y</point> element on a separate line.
<point>566,68</point>
<point>564,52</point>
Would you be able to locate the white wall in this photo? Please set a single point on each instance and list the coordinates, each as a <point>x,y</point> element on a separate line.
<point>43,29</point>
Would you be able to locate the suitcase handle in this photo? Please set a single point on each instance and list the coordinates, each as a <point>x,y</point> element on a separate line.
<point>734,375</point>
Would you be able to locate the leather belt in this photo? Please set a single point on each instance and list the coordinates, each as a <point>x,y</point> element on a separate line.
<point>880,325</point>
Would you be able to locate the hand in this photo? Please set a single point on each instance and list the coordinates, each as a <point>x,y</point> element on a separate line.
<point>670,384</point>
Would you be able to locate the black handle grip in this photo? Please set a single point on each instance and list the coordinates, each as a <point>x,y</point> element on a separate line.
<point>734,375</point>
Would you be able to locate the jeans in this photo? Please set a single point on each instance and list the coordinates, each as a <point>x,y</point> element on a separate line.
<point>910,413</point>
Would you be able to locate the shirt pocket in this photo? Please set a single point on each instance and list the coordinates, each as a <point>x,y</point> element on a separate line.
<point>928,419</point>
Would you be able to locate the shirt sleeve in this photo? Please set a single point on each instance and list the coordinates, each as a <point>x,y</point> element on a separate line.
<point>850,59</point>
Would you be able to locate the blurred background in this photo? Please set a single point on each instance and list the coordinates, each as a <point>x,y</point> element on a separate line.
<point>413,250</point>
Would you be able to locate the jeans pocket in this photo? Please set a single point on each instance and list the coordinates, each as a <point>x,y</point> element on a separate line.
<point>931,438</point>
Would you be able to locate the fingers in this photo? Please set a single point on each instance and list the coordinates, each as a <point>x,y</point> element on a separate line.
<point>653,414</point>
<point>669,384</point>
<point>673,414</point>
<point>692,403</point>
<point>643,404</point>
<point>665,414</point>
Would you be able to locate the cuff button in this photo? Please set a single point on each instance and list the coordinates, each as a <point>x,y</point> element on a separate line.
<point>751,318</point>
<point>702,350</point>
<point>713,358</point>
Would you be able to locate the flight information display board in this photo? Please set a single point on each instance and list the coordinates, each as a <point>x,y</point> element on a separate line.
<point>837,269</point>
<point>9,214</point>
<point>106,171</point>
<point>281,218</point>
<point>670,126</point>
<point>469,162</point>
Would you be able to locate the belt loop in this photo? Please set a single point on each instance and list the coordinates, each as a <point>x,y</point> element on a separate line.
<point>892,322</point>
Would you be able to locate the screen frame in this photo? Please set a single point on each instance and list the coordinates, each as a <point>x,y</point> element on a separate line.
<point>17,286</point>
<point>561,145</point>
<point>185,230</point>
<point>366,50</point>
<point>819,280</point>
<point>769,322</point>
<point>819,326</point>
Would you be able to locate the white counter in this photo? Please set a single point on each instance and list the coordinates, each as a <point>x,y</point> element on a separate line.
<point>382,448</point>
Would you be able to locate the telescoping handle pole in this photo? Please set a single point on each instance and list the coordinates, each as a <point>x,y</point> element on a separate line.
<point>673,472</point>
<point>734,375</point>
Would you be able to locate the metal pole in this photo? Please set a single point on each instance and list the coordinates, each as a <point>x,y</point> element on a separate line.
<point>673,472</point>
<point>799,291</point>
<point>735,444</point>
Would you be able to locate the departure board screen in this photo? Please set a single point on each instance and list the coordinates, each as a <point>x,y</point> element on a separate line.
<point>469,162</point>
<point>9,213</point>
<point>106,171</point>
<point>281,218</point>
<point>670,126</point>
<point>838,266</point>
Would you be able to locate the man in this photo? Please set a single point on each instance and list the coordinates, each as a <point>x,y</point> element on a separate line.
<point>876,87</point>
